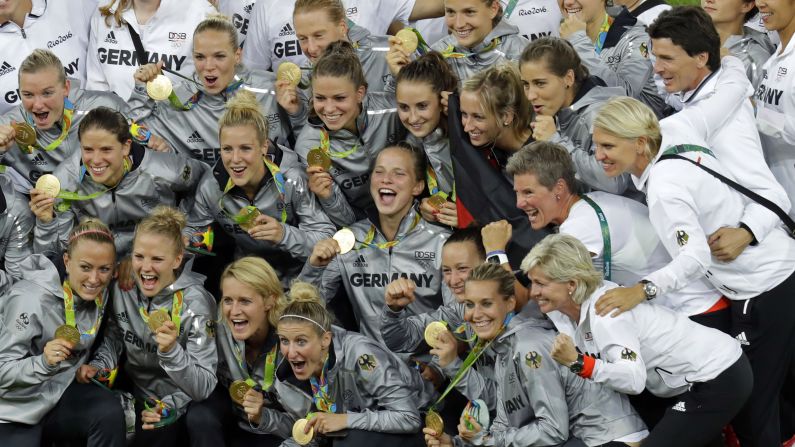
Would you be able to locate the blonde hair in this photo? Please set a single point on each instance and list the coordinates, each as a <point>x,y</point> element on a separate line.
<point>123,5</point>
<point>628,118</point>
<point>306,306</point>
<point>563,258</point>
<point>258,275</point>
<point>501,92</point>
<point>164,221</point>
<point>243,109</point>
<point>220,23</point>
<point>40,59</point>
<point>89,229</point>
<point>334,8</point>
<point>494,272</point>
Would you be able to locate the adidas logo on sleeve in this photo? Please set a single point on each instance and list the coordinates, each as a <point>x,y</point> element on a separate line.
<point>6,68</point>
<point>287,31</point>
<point>195,138</point>
<point>111,38</point>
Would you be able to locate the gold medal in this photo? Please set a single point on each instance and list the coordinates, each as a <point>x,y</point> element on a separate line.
<point>437,201</point>
<point>159,88</point>
<point>298,432</point>
<point>68,333</point>
<point>434,422</point>
<point>288,71</point>
<point>247,217</point>
<point>157,318</point>
<point>238,390</point>
<point>317,157</point>
<point>24,134</point>
<point>408,39</point>
<point>49,184</point>
<point>433,331</point>
<point>346,240</point>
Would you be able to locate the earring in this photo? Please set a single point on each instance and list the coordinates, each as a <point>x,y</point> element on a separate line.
<point>505,124</point>
<point>570,292</point>
<point>557,197</point>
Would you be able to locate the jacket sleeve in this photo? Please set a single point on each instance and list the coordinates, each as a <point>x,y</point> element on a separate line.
<point>52,237</point>
<point>327,280</point>
<point>617,369</point>
<point>110,350</point>
<point>21,325</point>
<point>275,422</point>
<point>396,410</point>
<point>473,384</point>
<point>405,333</point>
<point>192,368</point>
<point>200,215</point>
<point>337,207</point>
<point>19,244</point>
<point>313,224</point>
<point>257,50</point>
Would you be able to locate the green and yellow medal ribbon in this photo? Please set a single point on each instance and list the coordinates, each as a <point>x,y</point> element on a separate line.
<point>176,310</point>
<point>325,146</point>
<point>69,309</point>
<point>450,52</point>
<point>422,45</point>
<point>193,100</point>
<point>607,252</point>
<point>68,114</point>
<point>600,40</point>
<point>67,197</point>
<point>269,371</point>
<point>368,240</point>
<point>278,179</point>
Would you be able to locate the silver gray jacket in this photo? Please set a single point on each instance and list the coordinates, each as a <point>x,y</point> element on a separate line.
<point>753,48</point>
<point>509,48</point>
<point>437,147</point>
<point>177,377</point>
<point>375,388</point>
<point>575,124</point>
<point>624,60</point>
<point>194,132</point>
<point>378,125</point>
<point>306,222</point>
<point>155,178</point>
<point>32,310</point>
<point>16,228</point>
<point>543,403</point>
<point>32,166</point>
<point>366,271</point>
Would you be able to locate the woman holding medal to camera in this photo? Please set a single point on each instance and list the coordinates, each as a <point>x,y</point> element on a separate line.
<point>241,410</point>
<point>538,401</point>
<point>260,195</point>
<point>49,324</point>
<point>166,326</point>
<point>342,385</point>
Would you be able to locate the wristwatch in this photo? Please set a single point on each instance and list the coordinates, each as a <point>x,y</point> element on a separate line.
<point>650,289</point>
<point>497,257</point>
<point>578,364</point>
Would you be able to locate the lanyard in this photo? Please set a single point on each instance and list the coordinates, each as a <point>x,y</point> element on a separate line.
<point>450,52</point>
<point>422,45</point>
<point>600,41</point>
<point>681,148</point>
<point>69,310</point>
<point>325,146</point>
<point>193,100</point>
<point>278,179</point>
<point>68,197</point>
<point>320,394</point>
<point>607,255</point>
<point>509,9</point>
<point>269,371</point>
<point>176,310</point>
<point>476,352</point>
<point>368,240</point>
<point>68,113</point>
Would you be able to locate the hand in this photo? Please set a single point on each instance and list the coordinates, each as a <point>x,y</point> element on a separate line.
<point>266,228</point>
<point>448,215</point>
<point>619,300</point>
<point>166,336</point>
<point>496,235</point>
<point>42,205</point>
<point>320,181</point>
<point>252,405</point>
<point>400,293</point>
<point>446,348</point>
<point>396,57</point>
<point>571,24</point>
<point>433,439</point>
<point>7,137</point>
<point>427,211</point>
<point>147,72</point>
<point>287,96</point>
<point>126,277</point>
<point>149,418</point>
<point>444,101</point>
<point>543,127</point>
<point>430,374</point>
<point>327,422</point>
<point>56,351</point>
<point>563,350</point>
<point>727,243</point>
<point>158,144</point>
<point>465,433</point>
<point>324,251</point>
<point>85,373</point>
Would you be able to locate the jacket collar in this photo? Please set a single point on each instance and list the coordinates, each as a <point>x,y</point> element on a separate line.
<point>647,5</point>
<point>222,176</point>
<point>688,96</point>
<point>405,223</point>
<point>621,23</point>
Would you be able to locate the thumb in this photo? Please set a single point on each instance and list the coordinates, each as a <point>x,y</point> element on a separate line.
<point>160,65</point>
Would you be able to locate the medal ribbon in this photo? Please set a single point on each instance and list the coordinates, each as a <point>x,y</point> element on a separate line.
<point>509,9</point>
<point>368,240</point>
<point>450,52</point>
<point>320,394</point>
<point>176,310</point>
<point>193,100</point>
<point>325,146</point>
<point>68,197</point>
<point>472,357</point>
<point>600,41</point>
<point>422,45</point>
<point>607,252</point>
<point>269,371</point>
<point>278,179</point>
<point>681,148</point>
<point>68,113</point>
<point>69,309</point>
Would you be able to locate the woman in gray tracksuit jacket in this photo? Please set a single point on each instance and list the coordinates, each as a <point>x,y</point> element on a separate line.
<point>188,120</point>
<point>38,395</point>
<point>16,225</point>
<point>132,182</point>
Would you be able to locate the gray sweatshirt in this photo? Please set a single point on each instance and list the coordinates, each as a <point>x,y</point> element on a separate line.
<point>753,48</point>
<point>16,227</point>
<point>32,310</point>
<point>181,375</point>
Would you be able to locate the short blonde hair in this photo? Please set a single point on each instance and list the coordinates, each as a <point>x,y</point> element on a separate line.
<point>628,118</point>
<point>563,258</point>
<point>41,59</point>
<point>494,272</point>
<point>258,275</point>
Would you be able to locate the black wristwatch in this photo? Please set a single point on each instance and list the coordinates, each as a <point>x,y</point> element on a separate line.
<point>578,364</point>
<point>649,289</point>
